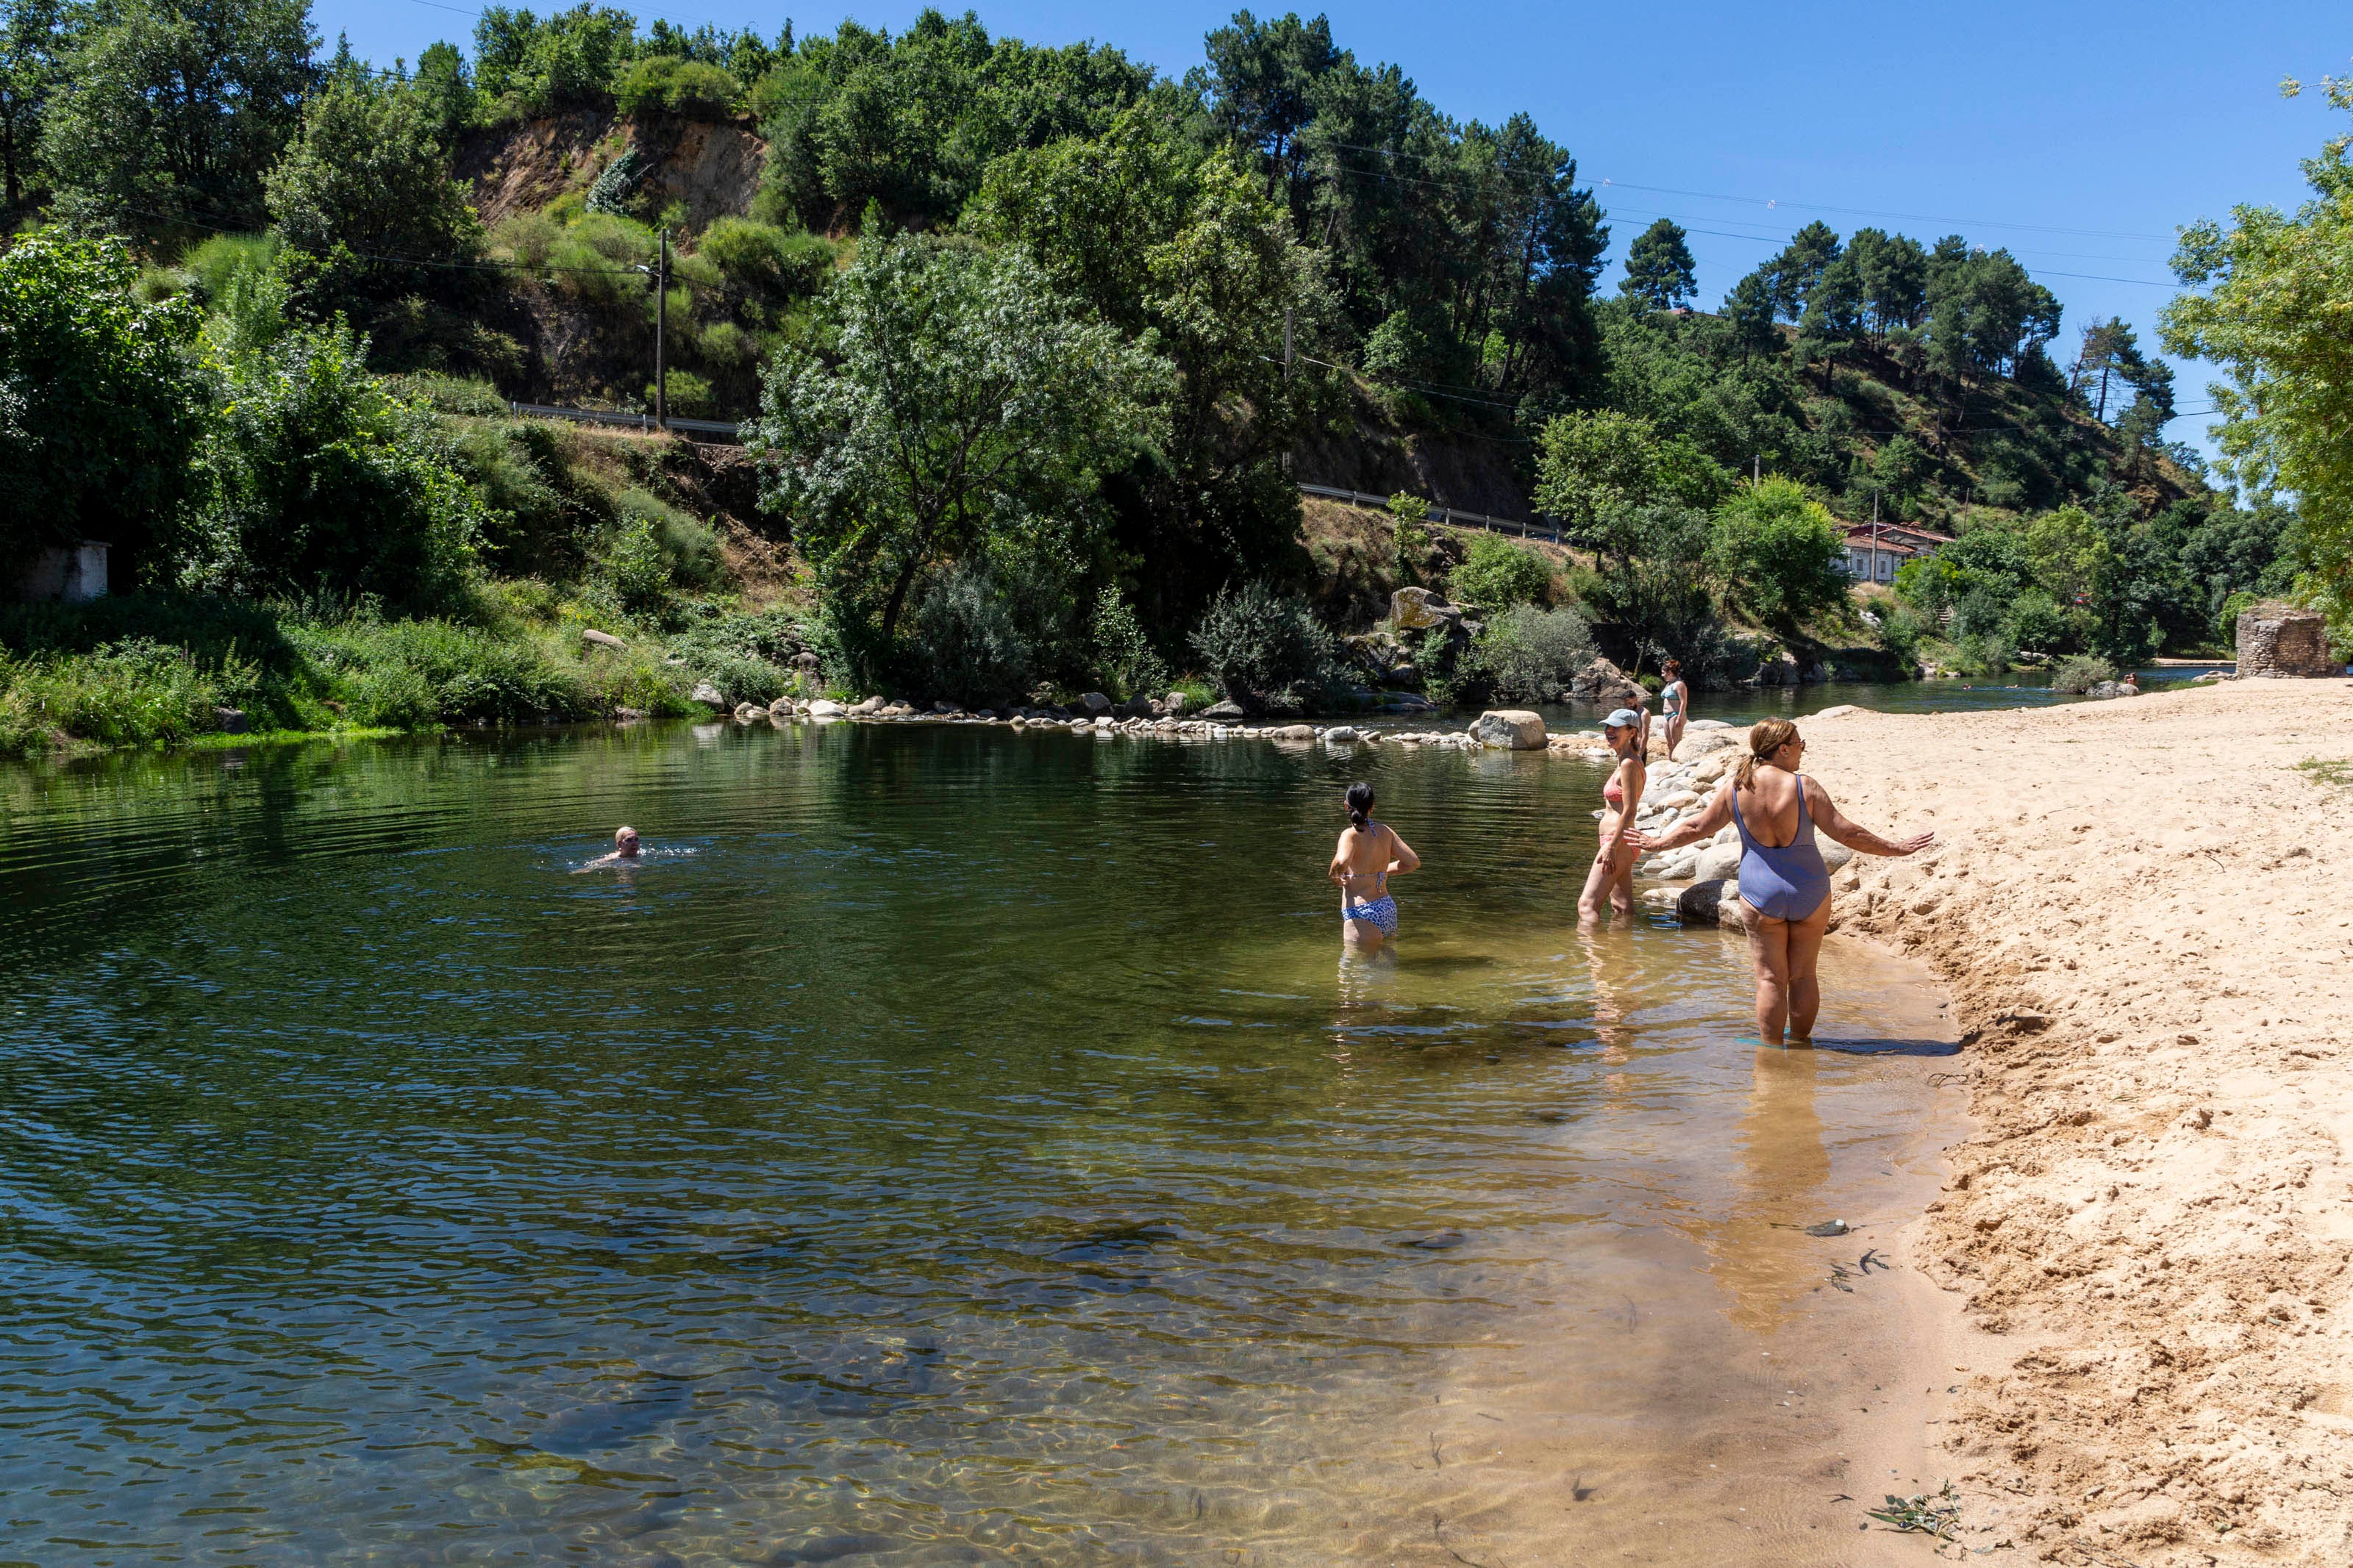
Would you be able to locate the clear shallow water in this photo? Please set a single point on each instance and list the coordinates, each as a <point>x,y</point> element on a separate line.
<point>954,1145</point>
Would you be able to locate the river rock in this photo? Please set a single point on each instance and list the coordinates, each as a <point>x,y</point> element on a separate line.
<point>1702,903</point>
<point>1514,729</point>
<point>1414,610</point>
<point>1840,711</point>
<point>1604,683</point>
<point>1095,703</point>
<point>871,705</point>
<point>782,708</point>
<point>1702,745</point>
<point>1716,861</point>
<point>1295,732</point>
<point>1835,854</point>
<point>1224,712</point>
<point>824,708</point>
<point>1175,703</point>
<point>1340,735</point>
<point>1709,724</point>
<point>230,721</point>
<point>602,639</point>
<point>747,712</point>
<point>2115,688</point>
<point>708,695</point>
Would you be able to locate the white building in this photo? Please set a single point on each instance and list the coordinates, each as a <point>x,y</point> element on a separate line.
<point>1876,551</point>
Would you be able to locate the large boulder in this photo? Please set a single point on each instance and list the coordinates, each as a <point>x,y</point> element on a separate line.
<point>1717,862</point>
<point>1513,729</point>
<point>1604,683</point>
<point>708,695</point>
<point>596,638</point>
<point>1414,610</point>
<point>1095,703</point>
<point>824,709</point>
<point>1703,743</point>
<point>1702,903</point>
<point>1227,710</point>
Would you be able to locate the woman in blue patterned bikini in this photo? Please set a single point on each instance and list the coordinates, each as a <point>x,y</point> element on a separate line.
<point>1785,888</point>
<point>1370,853</point>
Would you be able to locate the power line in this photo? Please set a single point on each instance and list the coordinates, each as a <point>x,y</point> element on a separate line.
<point>1877,212</point>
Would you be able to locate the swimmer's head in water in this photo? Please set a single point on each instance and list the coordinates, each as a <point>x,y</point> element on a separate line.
<point>1360,802</point>
<point>625,841</point>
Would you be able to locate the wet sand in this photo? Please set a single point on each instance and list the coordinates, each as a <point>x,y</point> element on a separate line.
<point>2140,906</point>
<point>1711,1384</point>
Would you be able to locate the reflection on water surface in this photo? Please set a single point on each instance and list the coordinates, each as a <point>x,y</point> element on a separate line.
<point>950,1145</point>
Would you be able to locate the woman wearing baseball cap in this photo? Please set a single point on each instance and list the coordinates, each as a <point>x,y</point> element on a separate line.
<point>1612,876</point>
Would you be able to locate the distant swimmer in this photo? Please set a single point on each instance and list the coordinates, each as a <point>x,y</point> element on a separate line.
<point>625,850</point>
<point>1612,876</point>
<point>1674,701</point>
<point>1369,854</point>
<point>1785,888</point>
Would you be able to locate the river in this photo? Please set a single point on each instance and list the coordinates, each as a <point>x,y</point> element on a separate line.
<point>950,1145</point>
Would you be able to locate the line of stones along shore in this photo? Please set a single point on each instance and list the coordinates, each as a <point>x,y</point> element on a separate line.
<point>1497,729</point>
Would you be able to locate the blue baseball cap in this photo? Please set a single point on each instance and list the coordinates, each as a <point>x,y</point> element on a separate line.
<point>1623,718</point>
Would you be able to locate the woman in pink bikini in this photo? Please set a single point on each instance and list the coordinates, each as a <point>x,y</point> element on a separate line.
<point>1612,877</point>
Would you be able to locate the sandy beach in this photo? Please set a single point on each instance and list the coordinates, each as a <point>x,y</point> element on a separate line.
<point>2139,907</point>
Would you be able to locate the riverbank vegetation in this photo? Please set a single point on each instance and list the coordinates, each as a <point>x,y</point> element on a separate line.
<point>1031,346</point>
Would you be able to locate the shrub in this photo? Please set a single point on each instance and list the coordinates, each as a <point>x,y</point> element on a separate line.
<point>664,84</point>
<point>527,238</point>
<point>725,343</point>
<point>413,674</point>
<point>469,395</point>
<point>690,395</point>
<point>1124,658</point>
<point>322,482</point>
<point>1531,655</point>
<point>1408,535</point>
<point>1496,575</point>
<point>1256,643</point>
<point>122,693</point>
<point>2079,673</point>
<point>214,264</point>
<point>761,258</point>
<point>1985,653</point>
<point>965,643</point>
<point>1901,627</point>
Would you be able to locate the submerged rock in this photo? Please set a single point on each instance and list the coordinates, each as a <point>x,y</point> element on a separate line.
<point>1702,903</point>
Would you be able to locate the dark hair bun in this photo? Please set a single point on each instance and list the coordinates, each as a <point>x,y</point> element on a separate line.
<point>1360,803</point>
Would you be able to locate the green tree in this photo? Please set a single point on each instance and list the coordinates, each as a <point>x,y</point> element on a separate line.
<point>446,84</point>
<point>318,480</point>
<point>1495,574</point>
<point>177,109</point>
<point>571,58</point>
<point>970,403</point>
<point>1778,551</point>
<point>36,35</point>
<point>1590,467</point>
<point>2273,317</point>
<point>106,408</point>
<point>369,172</point>
<point>1659,270</point>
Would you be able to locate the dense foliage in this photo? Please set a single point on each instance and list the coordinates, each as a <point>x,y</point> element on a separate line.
<point>1037,338</point>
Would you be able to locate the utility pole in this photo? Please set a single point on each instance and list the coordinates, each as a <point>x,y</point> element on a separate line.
<point>1875,535</point>
<point>661,331</point>
<point>1756,470</point>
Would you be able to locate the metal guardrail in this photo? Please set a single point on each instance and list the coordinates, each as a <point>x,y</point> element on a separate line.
<point>730,432</point>
<point>1446,514</point>
<point>630,421</point>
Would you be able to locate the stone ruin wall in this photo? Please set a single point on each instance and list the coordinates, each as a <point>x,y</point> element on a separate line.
<point>2283,640</point>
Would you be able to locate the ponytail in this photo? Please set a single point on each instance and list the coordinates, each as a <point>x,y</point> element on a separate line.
<point>1765,738</point>
<point>1360,804</point>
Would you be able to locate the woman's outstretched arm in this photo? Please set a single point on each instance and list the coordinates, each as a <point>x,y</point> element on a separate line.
<point>1862,840</point>
<point>1707,824</point>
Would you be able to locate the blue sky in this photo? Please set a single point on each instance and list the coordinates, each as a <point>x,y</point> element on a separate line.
<point>2079,136</point>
